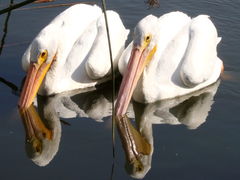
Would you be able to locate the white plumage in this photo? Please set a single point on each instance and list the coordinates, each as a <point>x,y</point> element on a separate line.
<point>169,57</point>
<point>72,52</point>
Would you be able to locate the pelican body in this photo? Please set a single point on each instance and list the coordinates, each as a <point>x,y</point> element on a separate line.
<point>71,52</point>
<point>170,56</point>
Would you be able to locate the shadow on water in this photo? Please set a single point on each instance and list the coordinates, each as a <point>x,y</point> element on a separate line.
<point>43,128</point>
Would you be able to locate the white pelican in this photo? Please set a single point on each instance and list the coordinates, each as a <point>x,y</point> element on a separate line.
<point>71,52</point>
<point>169,57</point>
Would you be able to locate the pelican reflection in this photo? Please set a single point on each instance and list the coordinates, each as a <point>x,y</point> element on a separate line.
<point>43,126</point>
<point>42,122</point>
<point>43,132</point>
<point>190,110</point>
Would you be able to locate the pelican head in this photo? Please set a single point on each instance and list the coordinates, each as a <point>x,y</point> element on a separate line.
<point>37,61</point>
<point>144,47</point>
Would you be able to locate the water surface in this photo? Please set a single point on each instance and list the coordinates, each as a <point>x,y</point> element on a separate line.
<point>207,150</point>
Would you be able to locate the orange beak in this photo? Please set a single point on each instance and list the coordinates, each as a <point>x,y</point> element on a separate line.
<point>140,57</point>
<point>133,143</point>
<point>35,76</point>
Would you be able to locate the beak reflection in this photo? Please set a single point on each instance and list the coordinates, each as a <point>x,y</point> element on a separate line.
<point>35,129</point>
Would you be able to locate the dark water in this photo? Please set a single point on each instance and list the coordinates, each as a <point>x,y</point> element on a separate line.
<point>205,148</point>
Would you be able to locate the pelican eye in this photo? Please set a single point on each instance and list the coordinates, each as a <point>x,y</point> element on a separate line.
<point>148,38</point>
<point>42,57</point>
<point>43,54</point>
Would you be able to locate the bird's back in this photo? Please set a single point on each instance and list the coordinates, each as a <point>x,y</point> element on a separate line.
<point>201,53</point>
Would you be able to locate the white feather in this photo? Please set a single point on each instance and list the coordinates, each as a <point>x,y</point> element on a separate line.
<point>77,36</point>
<point>184,46</point>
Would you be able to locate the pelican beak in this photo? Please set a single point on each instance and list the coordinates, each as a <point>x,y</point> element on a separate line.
<point>139,59</point>
<point>133,143</point>
<point>35,75</point>
<point>35,128</point>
